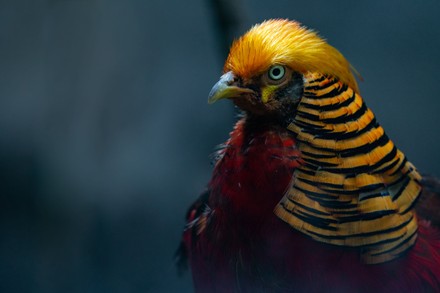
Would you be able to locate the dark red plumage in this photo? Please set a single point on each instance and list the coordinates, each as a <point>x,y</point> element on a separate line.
<point>241,246</point>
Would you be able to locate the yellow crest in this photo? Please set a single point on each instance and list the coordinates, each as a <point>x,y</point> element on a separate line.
<point>286,42</point>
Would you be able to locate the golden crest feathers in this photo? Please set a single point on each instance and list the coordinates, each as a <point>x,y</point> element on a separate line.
<point>281,41</point>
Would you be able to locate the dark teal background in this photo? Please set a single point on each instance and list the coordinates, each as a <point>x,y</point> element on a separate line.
<point>105,130</point>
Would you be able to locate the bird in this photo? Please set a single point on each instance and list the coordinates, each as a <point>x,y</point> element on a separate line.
<point>308,194</point>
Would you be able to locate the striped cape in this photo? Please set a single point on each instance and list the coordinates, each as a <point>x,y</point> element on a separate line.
<point>356,188</point>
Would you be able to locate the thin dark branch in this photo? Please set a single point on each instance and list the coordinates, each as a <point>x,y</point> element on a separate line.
<point>228,17</point>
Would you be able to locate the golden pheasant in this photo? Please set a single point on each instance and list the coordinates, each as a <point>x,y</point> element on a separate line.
<point>309,193</point>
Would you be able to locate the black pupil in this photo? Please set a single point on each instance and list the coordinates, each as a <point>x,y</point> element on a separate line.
<point>276,72</point>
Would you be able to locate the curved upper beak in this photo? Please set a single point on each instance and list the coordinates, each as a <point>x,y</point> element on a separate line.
<point>225,89</point>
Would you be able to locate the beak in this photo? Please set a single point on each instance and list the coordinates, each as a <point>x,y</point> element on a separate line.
<point>225,89</point>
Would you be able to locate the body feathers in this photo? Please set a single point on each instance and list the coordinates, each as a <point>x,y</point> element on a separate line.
<point>308,194</point>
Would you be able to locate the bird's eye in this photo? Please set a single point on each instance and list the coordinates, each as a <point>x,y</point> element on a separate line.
<point>277,72</point>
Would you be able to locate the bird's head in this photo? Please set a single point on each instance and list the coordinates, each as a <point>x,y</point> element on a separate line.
<point>264,72</point>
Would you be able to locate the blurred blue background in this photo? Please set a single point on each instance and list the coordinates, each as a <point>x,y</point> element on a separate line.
<point>105,132</point>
